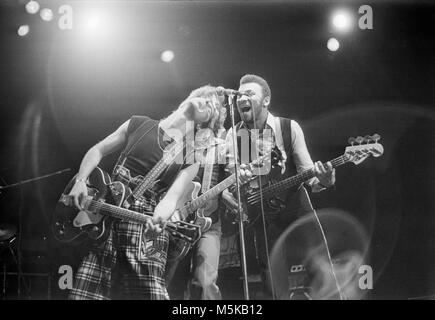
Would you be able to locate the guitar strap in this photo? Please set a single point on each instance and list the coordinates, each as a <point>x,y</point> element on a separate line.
<point>211,160</point>
<point>285,125</point>
<point>167,159</point>
<point>208,168</point>
<point>288,145</point>
<point>126,152</point>
<point>279,142</point>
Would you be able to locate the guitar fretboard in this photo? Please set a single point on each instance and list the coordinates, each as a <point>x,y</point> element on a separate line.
<point>214,192</point>
<point>210,194</point>
<point>118,212</point>
<point>290,182</point>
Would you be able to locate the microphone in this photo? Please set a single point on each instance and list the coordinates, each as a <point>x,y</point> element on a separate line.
<point>228,92</point>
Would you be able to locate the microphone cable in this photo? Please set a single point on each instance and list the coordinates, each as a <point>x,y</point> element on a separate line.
<point>263,216</point>
<point>337,284</point>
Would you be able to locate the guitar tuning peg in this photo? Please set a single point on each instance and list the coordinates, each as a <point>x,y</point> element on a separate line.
<point>367,139</point>
<point>376,137</point>
<point>351,141</point>
<point>359,139</point>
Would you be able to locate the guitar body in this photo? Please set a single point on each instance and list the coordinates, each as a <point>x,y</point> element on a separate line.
<point>196,217</point>
<point>71,225</point>
<point>272,205</point>
<point>109,200</point>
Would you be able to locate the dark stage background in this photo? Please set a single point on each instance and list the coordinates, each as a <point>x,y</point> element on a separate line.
<point>63,90</point>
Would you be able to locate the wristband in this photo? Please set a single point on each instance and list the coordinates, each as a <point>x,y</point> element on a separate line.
<point>80,180</point>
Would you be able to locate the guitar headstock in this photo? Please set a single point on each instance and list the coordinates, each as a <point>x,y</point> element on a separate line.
<point>363,147</point>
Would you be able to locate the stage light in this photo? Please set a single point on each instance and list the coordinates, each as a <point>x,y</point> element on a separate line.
<point>342,20</point>
<point>167,56</point>
<point>46,14</point>
<point>333,44</point>
<point>32,7</point>
<point>23,30</point>
<point>95,27</point>
<point>92,23</point>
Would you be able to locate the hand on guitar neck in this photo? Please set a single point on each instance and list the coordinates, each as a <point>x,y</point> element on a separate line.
<point>230,201</point>
<point>325,173</point>
<point>245,173</point>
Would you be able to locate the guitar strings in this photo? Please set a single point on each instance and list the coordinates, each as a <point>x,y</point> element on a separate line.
<point>130,214</point>
<point>255,197</point>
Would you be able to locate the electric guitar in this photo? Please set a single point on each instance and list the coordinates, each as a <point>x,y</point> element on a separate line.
<point>190,207</point>
<point>74,226</point>
<point>359,150</point>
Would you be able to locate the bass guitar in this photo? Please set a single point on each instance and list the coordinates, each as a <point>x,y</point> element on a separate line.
<point>274,193</point>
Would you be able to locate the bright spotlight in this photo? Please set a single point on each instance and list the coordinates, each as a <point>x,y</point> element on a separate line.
<point>92,23</point>
<point>94,26</point>
<point>32,7</point>
<point>46,14</point>
<point>342,20</point>
<point>333,44</point>
<point>23,30</point>
<point>167,56</point>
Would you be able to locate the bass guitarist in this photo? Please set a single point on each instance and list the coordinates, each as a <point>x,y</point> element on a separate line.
<point>283,136</point>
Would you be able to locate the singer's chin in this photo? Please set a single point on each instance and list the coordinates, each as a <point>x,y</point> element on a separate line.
<point>246,117</point>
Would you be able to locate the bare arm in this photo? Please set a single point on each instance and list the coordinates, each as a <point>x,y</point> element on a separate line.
<point>92,158</point>
<point>167,206</point>
<point>324,174</point>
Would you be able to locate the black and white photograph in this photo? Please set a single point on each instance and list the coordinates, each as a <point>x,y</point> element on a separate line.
<point>237,151</point>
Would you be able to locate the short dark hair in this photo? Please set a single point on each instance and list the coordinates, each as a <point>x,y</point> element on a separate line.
<point>249,78</point>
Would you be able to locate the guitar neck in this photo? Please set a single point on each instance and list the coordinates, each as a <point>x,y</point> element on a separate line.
<point>155,172</point>
<point>291,181</point>
<point>210,194</point>
<point>118,212</point>
<point>215,191</point>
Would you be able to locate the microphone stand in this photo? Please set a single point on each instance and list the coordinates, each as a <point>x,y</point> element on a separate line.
<point>231,103</point>
<point>33,179</point>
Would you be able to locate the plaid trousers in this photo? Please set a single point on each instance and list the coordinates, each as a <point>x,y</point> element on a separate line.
<point>125,266</point>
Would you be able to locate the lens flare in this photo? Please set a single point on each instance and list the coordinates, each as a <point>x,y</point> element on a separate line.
<point>302,247</point>
<point>342,20</point>
<point>167,56</point>
<point>333,44</point>
<point>46,14</point>
<point>32,7</point>
<point>23,30</point>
